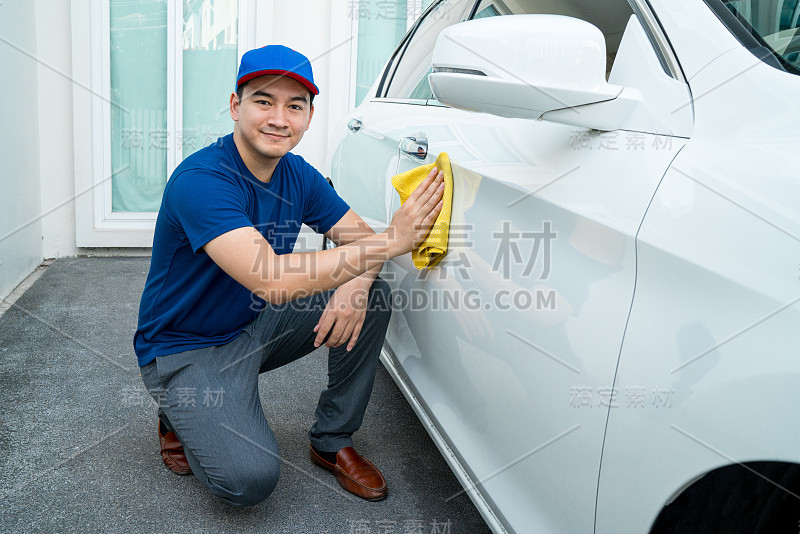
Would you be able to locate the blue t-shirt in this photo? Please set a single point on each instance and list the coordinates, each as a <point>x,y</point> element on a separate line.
<point>189,302</point>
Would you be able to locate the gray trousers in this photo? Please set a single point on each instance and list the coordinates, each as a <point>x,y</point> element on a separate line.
<point>209,396</point>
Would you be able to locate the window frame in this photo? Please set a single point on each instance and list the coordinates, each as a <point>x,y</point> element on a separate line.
<point>96,224</point>
<point>658,39</point>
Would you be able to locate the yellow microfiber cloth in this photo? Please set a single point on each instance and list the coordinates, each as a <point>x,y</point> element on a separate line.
<point>433,248</point>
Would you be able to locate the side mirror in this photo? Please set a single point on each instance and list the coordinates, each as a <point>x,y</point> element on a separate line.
<point>524,66</point>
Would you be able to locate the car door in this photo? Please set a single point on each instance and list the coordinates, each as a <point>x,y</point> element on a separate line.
<point>510,345</point>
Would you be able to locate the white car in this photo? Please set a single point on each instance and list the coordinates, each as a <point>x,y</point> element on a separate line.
<point>612,342</point>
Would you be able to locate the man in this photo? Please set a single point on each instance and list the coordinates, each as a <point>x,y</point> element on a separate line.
<point>225,299</point>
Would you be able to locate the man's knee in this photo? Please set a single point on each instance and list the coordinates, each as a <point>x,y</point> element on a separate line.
<point>248,483</point>
<point>380,297</point>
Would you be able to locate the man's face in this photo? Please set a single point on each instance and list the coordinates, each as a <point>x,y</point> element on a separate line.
<point>272,116</point>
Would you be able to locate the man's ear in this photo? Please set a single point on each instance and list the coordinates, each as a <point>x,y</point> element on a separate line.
<point>310,114</point>
<point>235,106</point>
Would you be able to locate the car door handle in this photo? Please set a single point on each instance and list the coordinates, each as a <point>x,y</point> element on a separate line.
<point>354,125</point>
<point>415,146</point>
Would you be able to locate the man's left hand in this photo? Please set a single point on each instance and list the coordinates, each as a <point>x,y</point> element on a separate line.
<point>344,314</point>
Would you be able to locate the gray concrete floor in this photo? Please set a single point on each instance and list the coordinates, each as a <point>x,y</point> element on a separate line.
<point>78,445</point>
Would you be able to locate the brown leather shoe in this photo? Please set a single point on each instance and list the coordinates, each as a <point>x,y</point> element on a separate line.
<point>172,451</point>
<point>355,474</point>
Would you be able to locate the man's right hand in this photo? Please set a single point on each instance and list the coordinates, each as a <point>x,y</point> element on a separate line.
<point>412,222</point>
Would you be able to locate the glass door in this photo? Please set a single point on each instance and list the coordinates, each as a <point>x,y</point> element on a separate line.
<point>162,75</point>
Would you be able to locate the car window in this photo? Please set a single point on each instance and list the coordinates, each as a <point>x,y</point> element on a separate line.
<point>408,72</point>
<point>407,75</point>
<point>488,11</point>
<point>770,29</point>
<point>610,16</point>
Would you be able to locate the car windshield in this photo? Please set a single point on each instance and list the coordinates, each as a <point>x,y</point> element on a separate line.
<point>772,24</point>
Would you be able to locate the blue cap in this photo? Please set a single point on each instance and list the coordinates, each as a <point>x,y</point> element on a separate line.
<point>276,59</point>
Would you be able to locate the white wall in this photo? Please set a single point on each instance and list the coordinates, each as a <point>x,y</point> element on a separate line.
<point>320,31</point>
<point>54,50</point>
<point>20,204</point>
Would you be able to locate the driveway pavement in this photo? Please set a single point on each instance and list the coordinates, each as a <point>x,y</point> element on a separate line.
<point>78,445</point>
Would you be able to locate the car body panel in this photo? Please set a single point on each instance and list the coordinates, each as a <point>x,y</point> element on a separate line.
<point>713,325</point>
<point>368,159</point>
